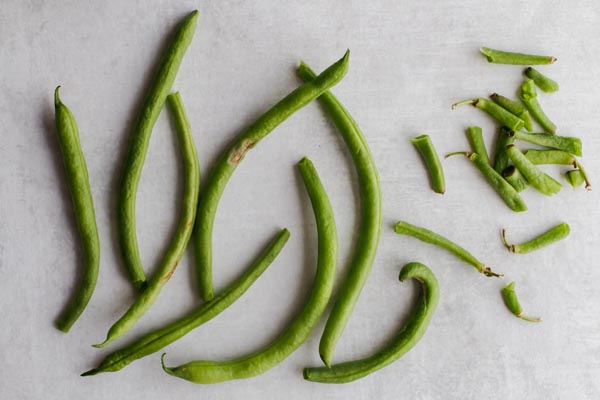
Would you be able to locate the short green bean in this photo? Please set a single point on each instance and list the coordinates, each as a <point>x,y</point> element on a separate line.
<point>83,205</point>
<point>403,342</point>
<point>539,157</point>
<point>539,180</point>
<point>552,235</point>
<point>514,177</point>
<point>574,177</point>
<point>512,303</point>
<point>514,108</point>
<point>425,147</point>
<point>565,143</point>
<point>301,327</point>
<point>506,57</point>
<point>528,96</point>
<point>505,117</point>
<point>501,160</point>
<point>427,236</point>
<point>475,136</point>
<point>541,80</point>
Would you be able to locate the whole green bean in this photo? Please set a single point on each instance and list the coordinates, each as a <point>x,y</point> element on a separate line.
<point>574,177</point>
<point>514,177</point>
<point>401,344</point>
<point>506,57</point>
<point>142,130</point>
<point>159,338</point>
<point>427,236</point>
<point>503,188</point>
<point>501,160</point>
<point>83,206</point>
<point>541,80</point>
<point>565,143</point>
<point>552,235</point>
<point>505,117</point>
<point>369,230</point>
<point>538,157</point>
<point>528,96</point>
<point>514,108</point>
<point>182,234</point>
<point>539,180</point>
<point>229,160</point>
<point>512,303</point>
<point>475,136</point>
<point>298,331</point>
<point>425,147</point>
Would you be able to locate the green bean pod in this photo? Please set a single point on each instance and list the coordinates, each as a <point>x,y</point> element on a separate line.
<point>538,157</point>
<point>475,136</point>
<point>514,108</point>
<point>512,303</point>
<point>574,177</point>
<point>230,159</point>
<point>539,180</point>
<point>503,116</point>
<point>83,207</point>
<point>514,177</point>
<point>425,147</point>
<point>182,234</point>
<point>427,236</point>
<point>507,57</point>
<point>132,169</point>
<point>501,160</point>
<point>298,331</point>
<point>528,96</point>
<point>156,340</point>
<point>402,343</point>
<point>369,230</point>
<point>566,143</point>
<point>552,235</point>
<point>541,80</point>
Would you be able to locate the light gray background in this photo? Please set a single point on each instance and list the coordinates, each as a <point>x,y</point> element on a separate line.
<point>409,62</point>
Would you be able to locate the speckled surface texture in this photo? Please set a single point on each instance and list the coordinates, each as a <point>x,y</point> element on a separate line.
<point>409,62</point>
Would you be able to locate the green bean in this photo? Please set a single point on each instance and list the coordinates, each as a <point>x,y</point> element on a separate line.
<point>427,236</point>
<point>501,159</point>
<point>434,167</point>
<point>369,230</point>
<point>553,235</point>
<point>539,180</point>
<point>565,143</point>
<point>538,157</point>
<point>402,343</point>
<point>503,116</point>
<point>579,167</point>
<point>298,331</point>
<point>541,80</point>
<point>229,160</point>
<point>514,108</point>
<point>512,303</point>
<point>506,57</point>
<point>159,338</point>
<point>574,177</point>
<point>182,235</point>
<point>142,130</point>
<point>528,96</point>
<point>514,177</point>
<point>503,188</point>
<point>83,205</point>
<point>475,136</point>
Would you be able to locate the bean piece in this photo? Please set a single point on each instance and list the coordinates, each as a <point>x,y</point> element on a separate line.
<point>500,114</point>
<point>541,80</point>
<point>539,180</point>
<point>514,108</point>
<point>552,235</point>
<point>475,136</point>
<point>425,147</point>
<point>528,96</point>
<point>512,303</point>
<point>514,177</point>
<point>566,143</point>
<point>506,57</point>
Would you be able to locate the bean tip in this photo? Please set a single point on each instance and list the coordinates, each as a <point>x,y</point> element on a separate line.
<point>91,372</point>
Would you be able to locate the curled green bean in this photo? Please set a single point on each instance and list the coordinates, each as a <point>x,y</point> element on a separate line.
<point>182,234</point>
<point>514,108</point>
<point>401,344</point>
<point>300,328</point>
<point>541,80</point>
<point>83,206</point>
<point>475,136</point>
<point>566,143</point>
<point>514,177</point>
<point>231,158</point>
<point>501,160</point>
<point>427,236</point>
<point>142,130</point>
<point>512,303</point>
<point>425,147</point>
<point>505,117</point>
<point>552,235</point>
<point>503,188</point>
<point>507,57</point>
<point>539,180</point>
<point>369,230</point>
<point>154,341</point>
<point>528,96</point>
<point>539,157</point>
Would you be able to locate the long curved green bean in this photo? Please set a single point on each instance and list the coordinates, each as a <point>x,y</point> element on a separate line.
<point>369,230</point>
<point>538,179</point>
<point>297,332</point>
<point>229,160</point>
<point>566,143</point>
<point>552,235</point>
<point>541,80</point>
<point>528,96</point>
<point>83,205</point>
<point>507,57</point>
<point>506,118</point>
<point>514,177</point>
<point>402,343</point>
<point>182,234</point>
<point>427,236</point>
<point>425,147</point>
<point>475,137</point>
<point>512,303</point>
<point>159,338</point>
<point>142,130</point>
<point>514,108</point>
